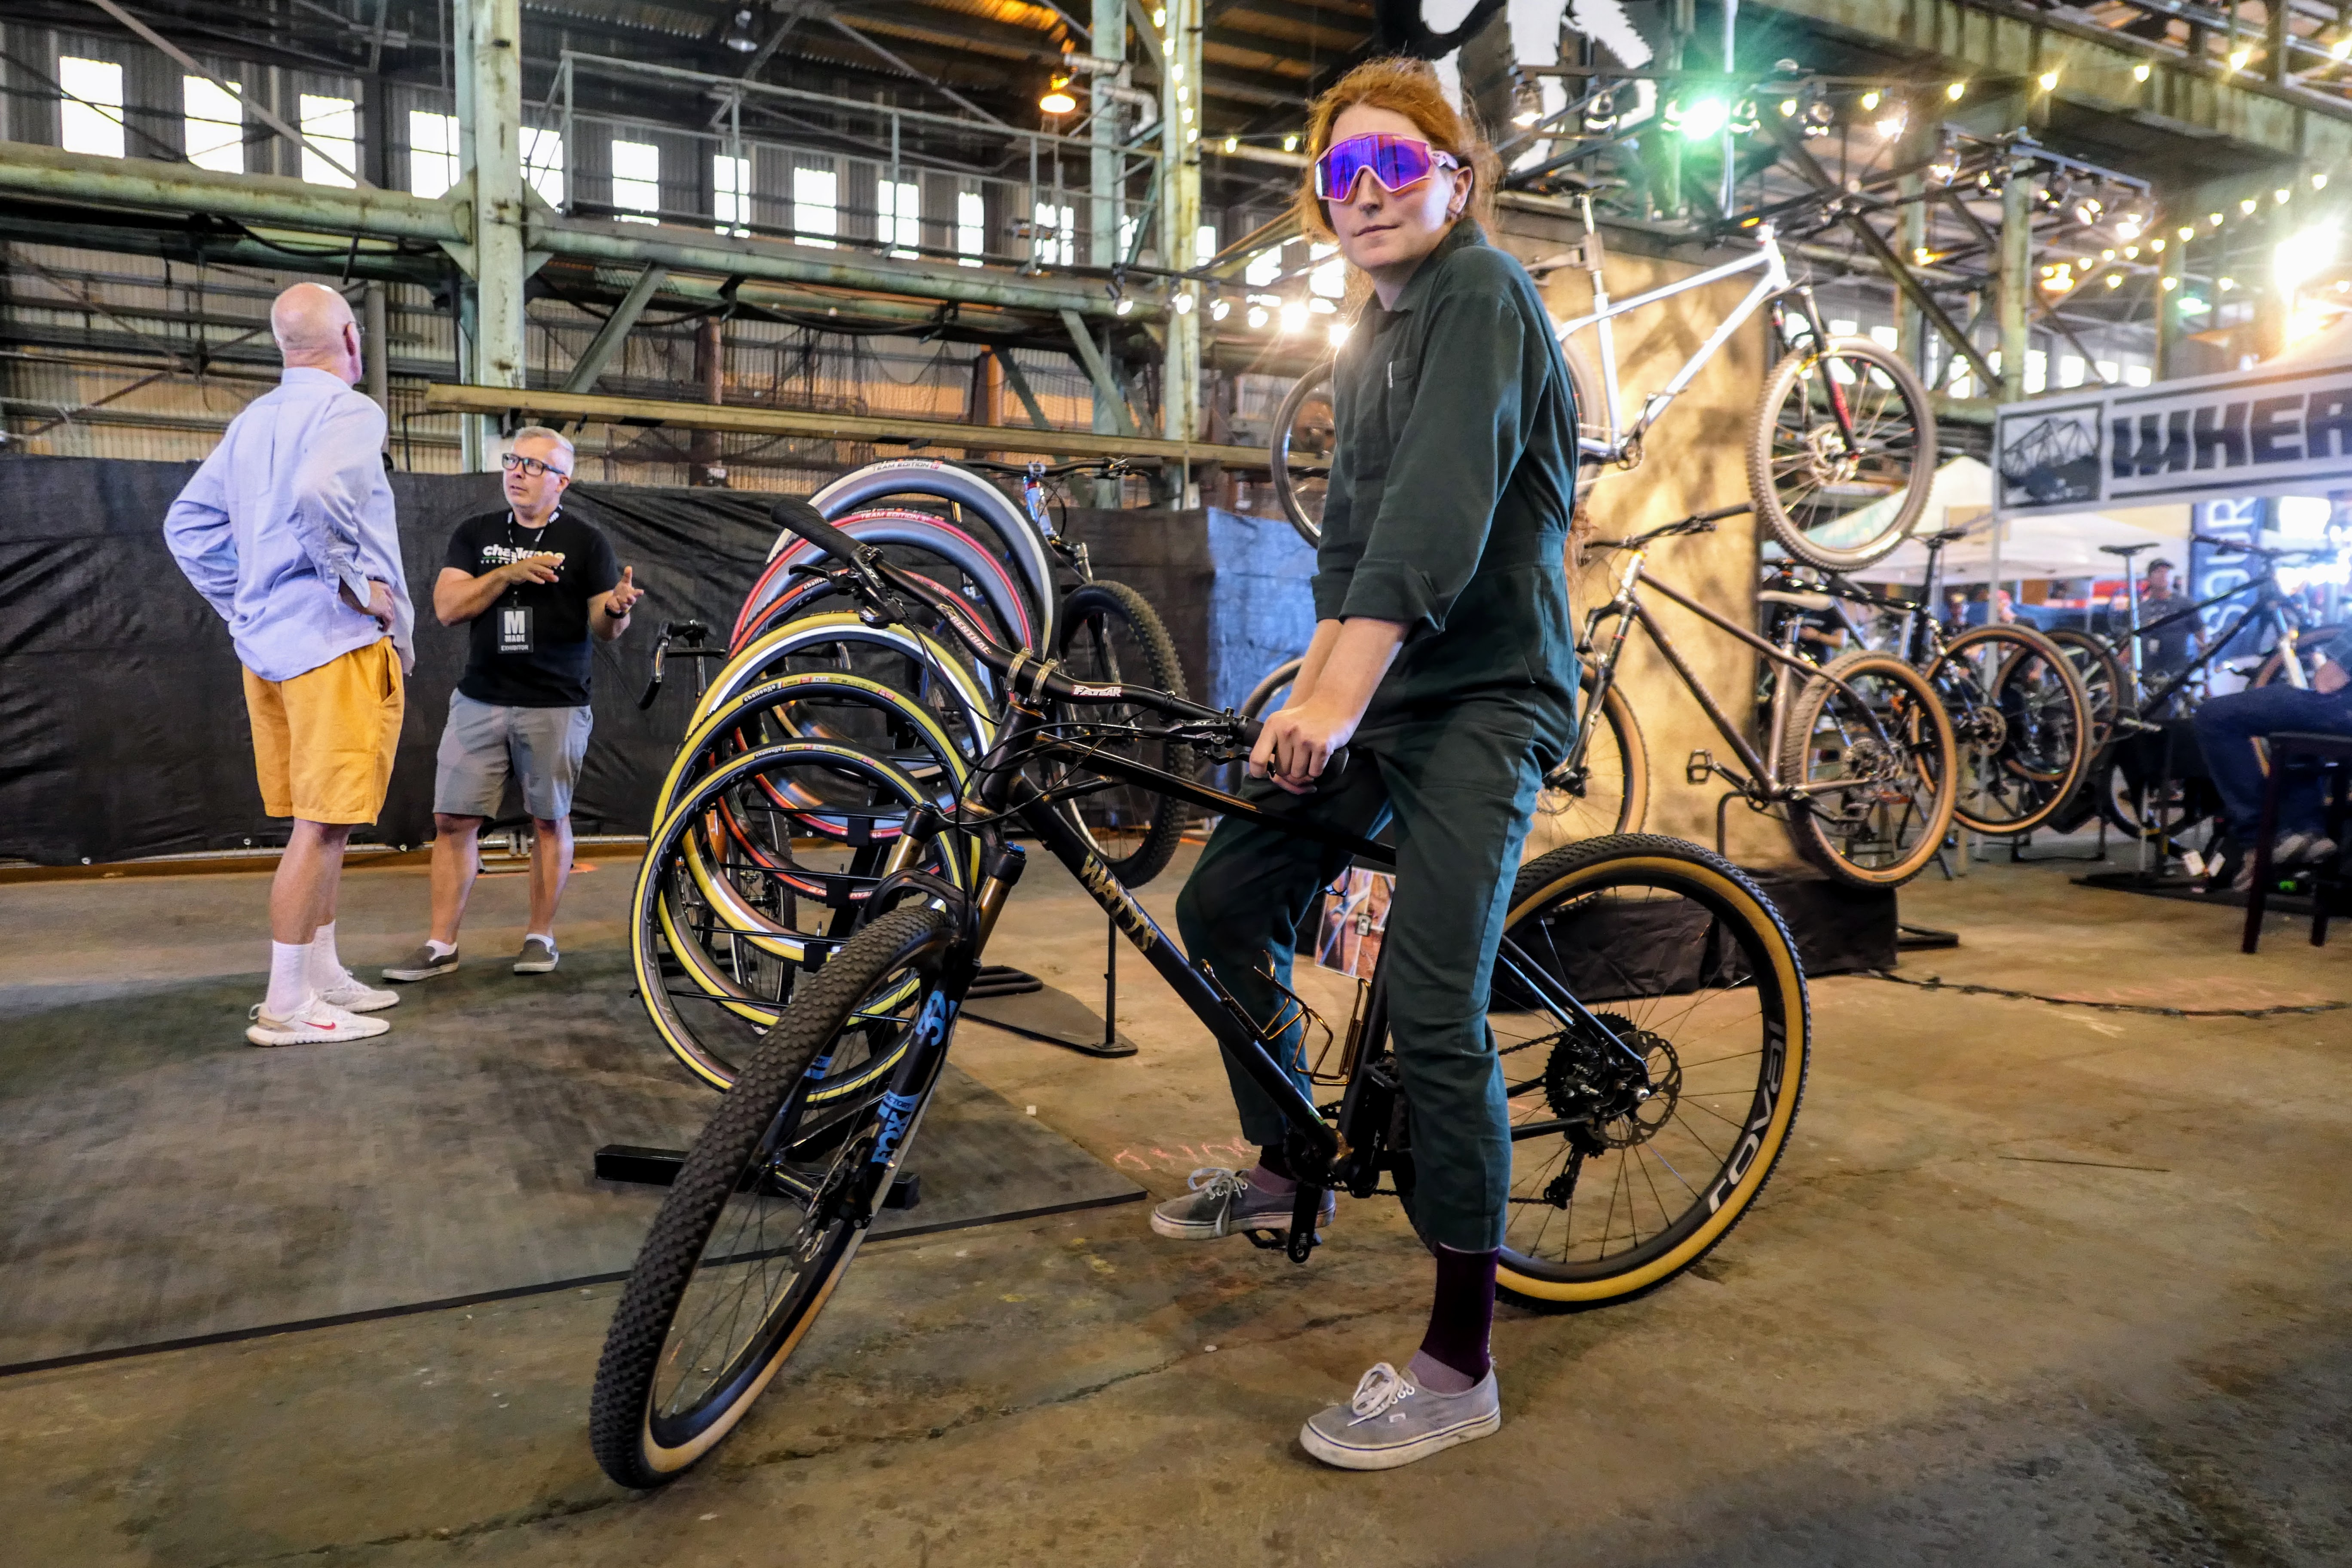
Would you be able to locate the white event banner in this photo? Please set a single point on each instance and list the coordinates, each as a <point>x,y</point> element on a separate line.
<point>2276,429</point>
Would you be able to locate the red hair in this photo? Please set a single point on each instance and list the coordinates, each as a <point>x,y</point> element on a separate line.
<point>1410,87</point>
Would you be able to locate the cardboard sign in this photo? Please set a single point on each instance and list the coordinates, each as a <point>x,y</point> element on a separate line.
<point>1355,918</point>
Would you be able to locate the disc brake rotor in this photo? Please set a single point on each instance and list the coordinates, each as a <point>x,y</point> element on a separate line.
<point>1622,1091</point>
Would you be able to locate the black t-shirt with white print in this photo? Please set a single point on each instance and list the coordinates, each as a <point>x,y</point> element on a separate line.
<point>554,672</point>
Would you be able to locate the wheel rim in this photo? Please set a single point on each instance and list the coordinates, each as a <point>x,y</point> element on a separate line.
<point>777,1245</point>
<point>1877,748</point>
<point>1842,499</point>
<point>1620,1165</point>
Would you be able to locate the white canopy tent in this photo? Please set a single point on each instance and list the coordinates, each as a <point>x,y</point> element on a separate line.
<point>2061,544</point>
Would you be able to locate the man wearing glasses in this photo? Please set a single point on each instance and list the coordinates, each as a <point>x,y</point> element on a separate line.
<point>534,587</point>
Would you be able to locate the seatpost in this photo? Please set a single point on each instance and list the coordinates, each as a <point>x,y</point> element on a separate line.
<point>2131,601</point>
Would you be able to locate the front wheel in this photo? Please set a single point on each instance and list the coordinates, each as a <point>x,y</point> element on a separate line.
<point>1870,751</point>
<point>1643,1127</point>
<point>769,1206</point>
<point>1608,789</point>
<point>1841,452</point>
<point>2024,723</point>
<point>1112,636</point>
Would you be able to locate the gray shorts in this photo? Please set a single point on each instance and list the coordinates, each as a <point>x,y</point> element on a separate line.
<point>483,742</point>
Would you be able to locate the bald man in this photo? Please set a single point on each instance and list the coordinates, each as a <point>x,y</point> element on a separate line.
<point>287,531</point>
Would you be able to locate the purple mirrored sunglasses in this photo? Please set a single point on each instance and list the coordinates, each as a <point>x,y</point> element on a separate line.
<point>1396,162</point>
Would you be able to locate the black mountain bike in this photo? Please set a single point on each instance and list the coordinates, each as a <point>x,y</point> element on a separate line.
<point>1647,1003</point>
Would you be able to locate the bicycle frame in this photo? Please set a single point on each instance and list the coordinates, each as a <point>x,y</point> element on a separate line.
<point>2268,601</point>
<point>1763,782</point>
<point>1616,442</point>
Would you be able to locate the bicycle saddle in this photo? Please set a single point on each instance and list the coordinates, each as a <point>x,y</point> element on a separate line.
<point>2126,550</point>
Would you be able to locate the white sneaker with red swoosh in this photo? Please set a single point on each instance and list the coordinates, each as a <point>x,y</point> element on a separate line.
<point>316,1021</point>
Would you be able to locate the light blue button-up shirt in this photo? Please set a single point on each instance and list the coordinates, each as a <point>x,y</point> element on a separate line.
<point>292,504</point>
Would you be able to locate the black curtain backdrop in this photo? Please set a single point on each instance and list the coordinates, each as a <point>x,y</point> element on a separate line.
<point>122,724</point>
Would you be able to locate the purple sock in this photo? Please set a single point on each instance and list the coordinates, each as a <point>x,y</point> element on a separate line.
<point>1269,1182</point>
<point>1452,1355</point>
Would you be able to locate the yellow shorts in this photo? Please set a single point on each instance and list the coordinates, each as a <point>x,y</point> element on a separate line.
<point>323,741</point>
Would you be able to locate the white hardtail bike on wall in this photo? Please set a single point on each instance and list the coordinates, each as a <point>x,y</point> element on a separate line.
<point>1841,448</point>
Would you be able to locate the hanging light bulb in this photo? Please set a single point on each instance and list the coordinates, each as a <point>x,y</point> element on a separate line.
<point>1184,304</point>
<point>1057,99</point>
<point>2247,207</point>
<point>739,36</point>
<point>1257,315</point>
<point>1870,100</point>
<point>2048,81</point>
<point>1956,91</point>
<point>2239,56</point>
<point>2281,195</point>
<point>2115,279</point>
<point>2140,72</point>
<point>1220,309</point>
<point>2319,182</point>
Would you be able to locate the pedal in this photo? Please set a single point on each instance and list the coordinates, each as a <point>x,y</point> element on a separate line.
<point>906,1191</point>
<point>1701,767</point>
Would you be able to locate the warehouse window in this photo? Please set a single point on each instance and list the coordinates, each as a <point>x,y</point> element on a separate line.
<point>814,212</point>
<point>331,126</point>
<point>898,207</point>
<point>1264,267</point>
<point>637,179</point>
<point>730,194</point>
<point>212,125</point>
<point>1204,244</point>
<point>1055,237</point>
<point>89,116</point>
<point>432,153</point>
<point>542,163</point>
<point>971,228</point>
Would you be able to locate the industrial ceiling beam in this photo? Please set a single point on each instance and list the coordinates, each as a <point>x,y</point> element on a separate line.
<point>497,401</point>
<point>327,212</point>
<point>2006,39</point>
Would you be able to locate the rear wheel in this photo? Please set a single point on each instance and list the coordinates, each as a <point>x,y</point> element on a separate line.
<point>2023,724</point>
<point>1640,1135</point>
<point>769,1207</point>
<point>2105,681</point>
<point>1841,452</point>
<point>1872,751</point>
<point>1306,435</point>
<point>1112,636</point>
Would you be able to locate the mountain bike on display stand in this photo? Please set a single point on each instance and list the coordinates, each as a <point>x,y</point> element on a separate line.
<point>1858,754</point>
<point>1648,1005</point>
<point>2020,711</point>
<point>1841,446</point>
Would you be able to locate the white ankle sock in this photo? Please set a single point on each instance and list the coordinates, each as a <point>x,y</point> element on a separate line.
<point>326,969</point>
<point>540,936</point>
<point>440,949</point>
<point>289,981</point>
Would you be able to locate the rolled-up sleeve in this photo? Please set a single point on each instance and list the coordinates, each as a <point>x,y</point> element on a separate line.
<point>1459,444</point>
<point>341,464</point>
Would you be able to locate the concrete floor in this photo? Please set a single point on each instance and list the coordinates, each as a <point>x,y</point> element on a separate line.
<point>2036,1283</point>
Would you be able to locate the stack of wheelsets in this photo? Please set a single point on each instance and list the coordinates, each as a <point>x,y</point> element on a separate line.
<point>821,732</point>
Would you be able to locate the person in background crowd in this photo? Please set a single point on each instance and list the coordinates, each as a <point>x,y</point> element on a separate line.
<point>2227,728</point>
<point>287,531</point>
<point>537,590</point>
<point>2165,652</point>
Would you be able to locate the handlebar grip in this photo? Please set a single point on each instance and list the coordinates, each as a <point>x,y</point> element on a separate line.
<point>1333,765</point>
<point>798,516</point>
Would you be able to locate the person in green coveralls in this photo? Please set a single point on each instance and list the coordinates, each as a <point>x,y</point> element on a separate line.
<point>1445,656</point>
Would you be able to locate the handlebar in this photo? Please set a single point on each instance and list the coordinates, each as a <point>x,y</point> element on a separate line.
<point>2267,551</point>
<point>1697,522</point>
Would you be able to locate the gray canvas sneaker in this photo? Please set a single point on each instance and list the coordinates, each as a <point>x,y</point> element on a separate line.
<point>421,964</point>
<point>1391,1420</point>
<point>1223,1203</point>
<point>538,956</point>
